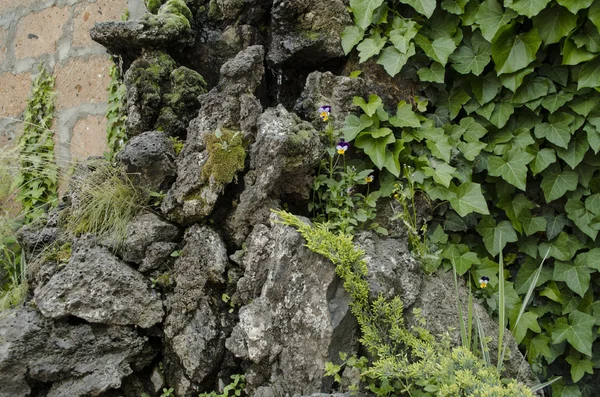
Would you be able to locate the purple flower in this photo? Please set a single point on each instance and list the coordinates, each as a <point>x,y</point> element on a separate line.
<point>324,112</point>
<point>342,146</point>
<point>483,281</point>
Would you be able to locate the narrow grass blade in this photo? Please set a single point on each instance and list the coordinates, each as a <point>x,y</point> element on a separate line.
<point>463,332</point>
<point>470,319</point>
<point>545,384</point>
<point>484,352</point>
<point>501,309</point>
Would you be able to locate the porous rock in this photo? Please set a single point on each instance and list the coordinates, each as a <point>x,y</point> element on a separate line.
<point>78,360</point>
<point>150,159</point>
<point>327,89</point>
<point>299,319</point>
<point>196,325</point>
<point>306,33</point>
<point>231,106</point>
<point>144,230</point>
<point>98,287</point>
<point>158,254</point>
<point>282,160</point>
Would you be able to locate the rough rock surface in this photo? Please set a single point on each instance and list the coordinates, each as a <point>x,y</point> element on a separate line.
<point>158,254</point>
<point>327,89</point>
<point>150,158</point>
<point>79,360</point>
<point>98,287</point>
<point>300,319</point>
<point>196,325</point>
<point>306,33</point>
<point>282,160</point>
<point>144,230</point>
<point>233,106</point>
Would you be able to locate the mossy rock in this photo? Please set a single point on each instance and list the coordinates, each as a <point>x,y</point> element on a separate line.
<point>173,18</point>
<point>226,157</point>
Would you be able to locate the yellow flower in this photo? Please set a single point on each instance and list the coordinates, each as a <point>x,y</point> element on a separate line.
<point>369,179</point>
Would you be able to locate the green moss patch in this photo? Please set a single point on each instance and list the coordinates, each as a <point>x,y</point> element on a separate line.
<point>226,156</point>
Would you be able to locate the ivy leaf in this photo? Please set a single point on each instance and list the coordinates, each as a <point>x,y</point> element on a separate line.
<point>369,47</point>
<point>456,7</point>
<point>512,52</point>
<point>594,14</point>
<point>554,23</point>
<point>393,61</point>
<point>533,224</point>
<point>558,74</point>
<point>538,87</point>
<point>405,117</point>
<point>471,150</point>
<point>351,36</point>
<point>573,55</point>
<point>556,133</point>
<point>368,107</point>
<point>527,321</point>
<point>490,17</point>
<point>561,248</point>
<point>501,114</point>
<point>461,260</point>
<point>375,148</point>
<point>527,273</point>
<point>439,49</point>
<point>578,147</point>
<point>472,58</point>
<point>496,236</point>
<point>473,130</point>
<point>590,258</point>
<point>403,34</point>
<point>363,11</point>
<point>392,159</point>
<point>512,81</point>
<point>434,74</point>
<point>442,173</point>
<point>440,147</point>
<point>575,5</point>
<point>589,76</point>
<point>556,183</point>
<point>553,102</point>
<point>580,367</point>
<point>555,224</point>
<point>529,8</point>
<point>516,209</point>
<point>559,389</point>
<point>539,344</point>
<point>576,277</point>
<point>468,198</point>
<point>593,137</point>
<point>425,7</point>
<point>354,126</point>
<point>577,331</point>
<point>513,168</point>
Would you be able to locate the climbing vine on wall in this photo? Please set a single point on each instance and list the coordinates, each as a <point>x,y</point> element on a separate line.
<point>37,180</point>
<point>116,112</point>
<point>509,139</point>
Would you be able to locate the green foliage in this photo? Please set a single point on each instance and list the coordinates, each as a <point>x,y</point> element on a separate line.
<point>14,283</point>
<point>177,144</point>
<point>106,201</point>
<point>405,361</point>
<point>37,178</point>
<point>116,113</point>
<point>235,388</point>
<point>226,156</point>
<point>509,143</point>
<point>342,190</point>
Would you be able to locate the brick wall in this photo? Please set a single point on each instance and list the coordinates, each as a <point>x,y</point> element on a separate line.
<point>55,33</point>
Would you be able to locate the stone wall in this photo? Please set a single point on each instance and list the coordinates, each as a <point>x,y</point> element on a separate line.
<point>55,34</point>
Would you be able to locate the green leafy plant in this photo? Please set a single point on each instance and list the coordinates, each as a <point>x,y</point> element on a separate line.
<point>405,361</point>
<point>14,286</point>
<point>177,144</point>
<point>116,112</point>
<point>508,143</point>
<point>37,176</point>
<point>106,201</point>
<point>235,388</point>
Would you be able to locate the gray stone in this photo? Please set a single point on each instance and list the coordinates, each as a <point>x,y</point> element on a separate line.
<point>144,230</point>
<point>299,320</point>
<point>306,33</point>
<point>327,89</point>
<point>242,11</point>
<point>157,255</point>
<point>78,360</point>
<point>282,160</point>
<point>232,106</point>
<point>196,325</point>
<point>150,159</point>
<point>98,287</point>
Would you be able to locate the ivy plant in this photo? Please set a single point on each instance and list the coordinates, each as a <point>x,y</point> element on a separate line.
<point>508,140</point>
<point>116,112</point>
<point>37,178</point>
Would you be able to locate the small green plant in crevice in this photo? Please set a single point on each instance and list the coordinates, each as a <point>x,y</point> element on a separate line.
<point>342,190</point>
<point>177,144</point>
<point>226,156</point>
<point>13,287</point>
<point>163,280</point>
<point>116,112</point>
<point>233,389</point>
<point>405,361</point>
<point>106,201</point>
<point>37,176</point>
<point>59,254</point>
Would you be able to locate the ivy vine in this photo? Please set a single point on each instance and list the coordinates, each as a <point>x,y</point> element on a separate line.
<point>37,179</point>
<point>116,112</point>
<point>509,138</point>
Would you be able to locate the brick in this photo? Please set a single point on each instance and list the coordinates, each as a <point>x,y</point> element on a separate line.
<point>80,81</point>
<point>14,90</point>
<point>88,138</point>
<point>3,44</point>
<point>38,33</point>
<point>86,14</point>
